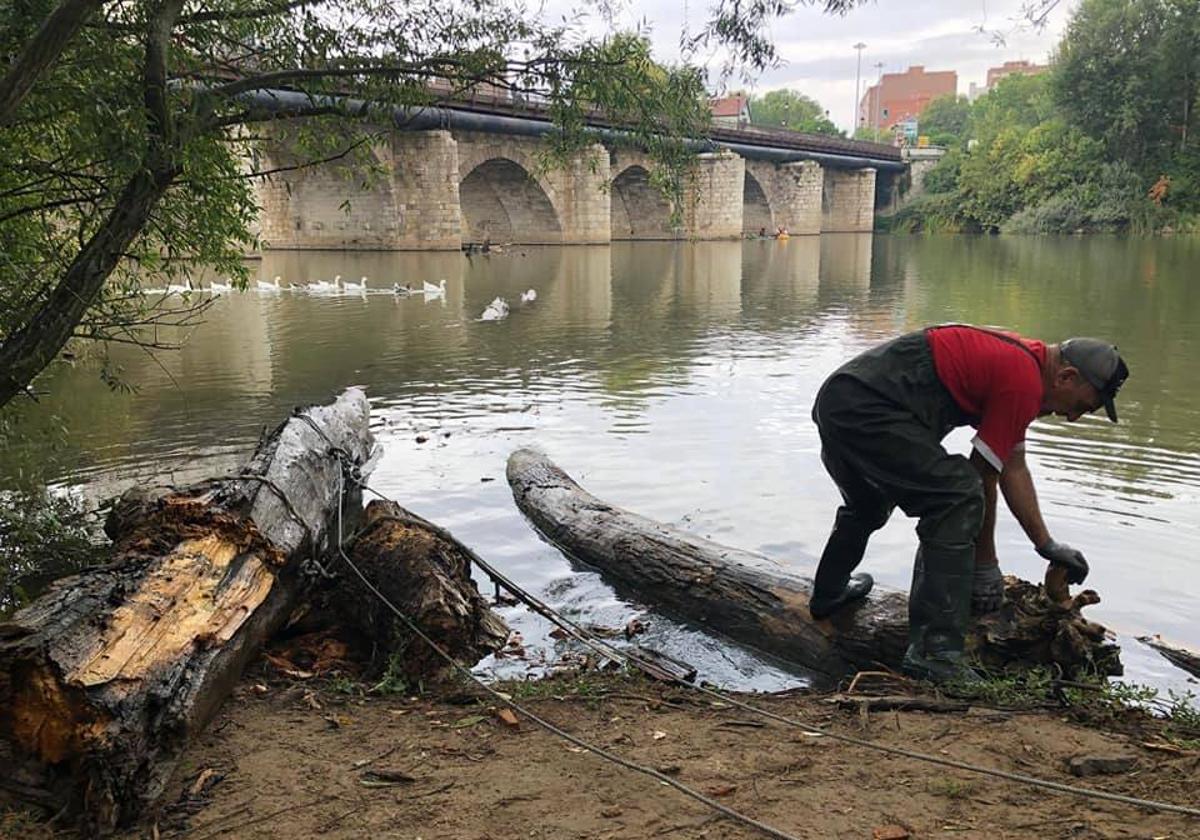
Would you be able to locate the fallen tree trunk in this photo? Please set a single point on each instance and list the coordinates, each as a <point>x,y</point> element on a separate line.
<point>105,678</point>
<point>1179,657</point>
<point>753,600</point>
<point>426,573</point>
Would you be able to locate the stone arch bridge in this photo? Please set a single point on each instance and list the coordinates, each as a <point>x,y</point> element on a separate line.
<point>477,178</point>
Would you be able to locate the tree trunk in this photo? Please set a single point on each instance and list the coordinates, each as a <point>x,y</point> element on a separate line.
<point>1179,657</point>
<point>27,351</point>
<point>751,599</point>
<point>426,573</point>
<point>106,677</point>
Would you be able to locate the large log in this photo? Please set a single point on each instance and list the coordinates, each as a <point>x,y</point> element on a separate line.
<point>1178,656</point>
<point>425,572</point>
<point>105,678</point>
<point>763,604</point>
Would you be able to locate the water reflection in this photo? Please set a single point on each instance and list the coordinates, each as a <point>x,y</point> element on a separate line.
<point>676,379</point>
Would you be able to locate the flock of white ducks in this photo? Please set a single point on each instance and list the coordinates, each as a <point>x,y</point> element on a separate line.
<point>497,310</point>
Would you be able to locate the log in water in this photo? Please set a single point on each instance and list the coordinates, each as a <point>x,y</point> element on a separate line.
<point>763,604</point>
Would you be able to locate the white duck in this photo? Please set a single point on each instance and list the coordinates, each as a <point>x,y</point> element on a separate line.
<point>497,310</point>
<point>529,296</point>
<point>273,286</point>
<point>430,290</point>
<point>360,286</point>
<point>322,287</point>
<point>215,287</point>
<point>179,288</point>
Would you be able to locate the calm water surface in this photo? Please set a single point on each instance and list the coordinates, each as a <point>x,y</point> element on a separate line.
<point>677,380</point>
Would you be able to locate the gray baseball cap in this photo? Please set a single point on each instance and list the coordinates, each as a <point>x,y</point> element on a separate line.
<point>1101,365</point>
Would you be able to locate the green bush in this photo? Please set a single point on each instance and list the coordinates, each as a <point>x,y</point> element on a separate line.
<point>1065,213</point>
<point>1113,200</point>
<point>929,213</point>
<point>943,178</point>
<point>43,536</point>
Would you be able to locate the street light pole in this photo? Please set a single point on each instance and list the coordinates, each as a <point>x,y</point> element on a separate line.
<point>857,74</point>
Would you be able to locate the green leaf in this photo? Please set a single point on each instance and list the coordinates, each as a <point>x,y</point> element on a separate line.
<point>470,720</point>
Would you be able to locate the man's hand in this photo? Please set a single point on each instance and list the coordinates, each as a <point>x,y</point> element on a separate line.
<point>987,589</point>
<point>1071,559</point>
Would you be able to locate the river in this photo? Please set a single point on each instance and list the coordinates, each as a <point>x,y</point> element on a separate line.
<point>677,380</point>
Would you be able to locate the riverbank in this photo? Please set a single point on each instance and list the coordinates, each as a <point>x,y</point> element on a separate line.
<point>288,758</point>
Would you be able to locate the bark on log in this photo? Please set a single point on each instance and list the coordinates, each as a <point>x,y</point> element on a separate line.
<point>760,603</point>
<point>1177,656</point>
<point>105,678</point>
<point>426,573</point>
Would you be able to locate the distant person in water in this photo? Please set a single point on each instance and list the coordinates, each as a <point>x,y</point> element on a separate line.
<point>881,418</point>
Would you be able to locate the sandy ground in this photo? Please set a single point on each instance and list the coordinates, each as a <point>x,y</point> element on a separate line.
<point>296,759</point>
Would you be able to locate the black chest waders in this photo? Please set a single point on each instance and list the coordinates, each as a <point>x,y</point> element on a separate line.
<point>882,417</point>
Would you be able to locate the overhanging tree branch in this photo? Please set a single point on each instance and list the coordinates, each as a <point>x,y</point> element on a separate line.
<point>27,351</point>
<point>48,43</point>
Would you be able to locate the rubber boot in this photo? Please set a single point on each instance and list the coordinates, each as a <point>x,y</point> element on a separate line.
<point>834,586</point>
<point>939,607</point>
<point>856,588</point>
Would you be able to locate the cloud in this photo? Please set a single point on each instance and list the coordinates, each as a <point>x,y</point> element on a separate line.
<point>818,53</point>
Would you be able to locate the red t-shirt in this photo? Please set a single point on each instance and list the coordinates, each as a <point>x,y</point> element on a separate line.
<point>994,379</point>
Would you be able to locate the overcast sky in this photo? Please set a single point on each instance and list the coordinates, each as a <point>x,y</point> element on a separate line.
<point>819,53</point>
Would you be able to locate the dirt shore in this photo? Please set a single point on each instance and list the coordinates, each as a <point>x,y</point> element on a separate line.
<point>301,759</point>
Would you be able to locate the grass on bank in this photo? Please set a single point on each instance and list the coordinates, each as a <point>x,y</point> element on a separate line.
<point>1096,702</point>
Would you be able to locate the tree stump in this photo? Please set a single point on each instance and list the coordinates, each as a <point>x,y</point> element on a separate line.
<point>426,573</point>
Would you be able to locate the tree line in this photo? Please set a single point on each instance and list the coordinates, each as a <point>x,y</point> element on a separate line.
<point>1102,142</point>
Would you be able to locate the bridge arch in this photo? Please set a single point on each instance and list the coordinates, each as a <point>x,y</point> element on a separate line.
<point>756,208</point>
<point>638,209</point>
<point>502,202</point>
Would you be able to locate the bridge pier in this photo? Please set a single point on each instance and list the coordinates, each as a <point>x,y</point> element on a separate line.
<point>848,201</point>
<point>800,194</point>
<point>425,179</point>
<point>581,195</point>
<point>409,203</point>
<point>326,206</point>
<point>713,197</point>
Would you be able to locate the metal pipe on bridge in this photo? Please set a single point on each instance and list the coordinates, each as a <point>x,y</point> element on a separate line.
<point>433,118</point>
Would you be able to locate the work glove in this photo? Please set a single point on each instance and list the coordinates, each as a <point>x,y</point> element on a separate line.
<point>1071,559</point>
<point>987,589</point>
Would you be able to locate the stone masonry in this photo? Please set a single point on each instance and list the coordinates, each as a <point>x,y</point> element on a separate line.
<point>712,198</point>
<point>848,201</point>
<point>574,196</point>
<point>436,190</point>
<point>794,192</point>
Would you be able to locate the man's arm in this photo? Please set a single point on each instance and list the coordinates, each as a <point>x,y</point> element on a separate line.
<point>985,543</point>
<point>1019,494</point>
<point>987,588</point>
<point>1017,485</point>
